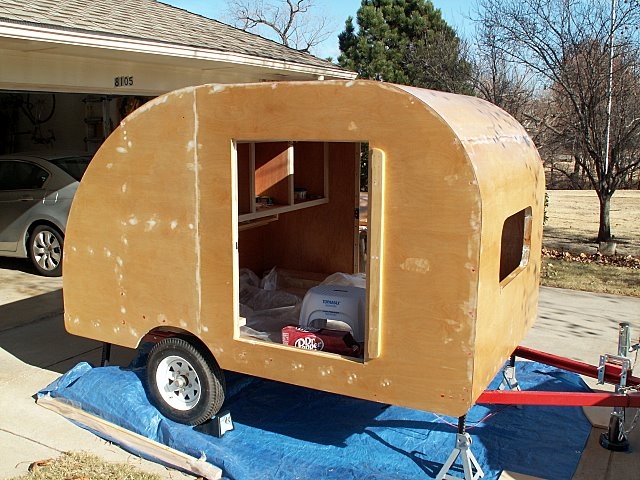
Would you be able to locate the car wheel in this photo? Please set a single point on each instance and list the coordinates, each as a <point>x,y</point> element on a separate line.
<point>45,250</point>
<point>185,383</point>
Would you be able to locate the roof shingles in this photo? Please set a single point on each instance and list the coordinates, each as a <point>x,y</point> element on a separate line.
<point>151,20</point>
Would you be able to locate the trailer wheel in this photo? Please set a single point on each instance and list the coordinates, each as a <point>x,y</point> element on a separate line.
<point>185,382</point>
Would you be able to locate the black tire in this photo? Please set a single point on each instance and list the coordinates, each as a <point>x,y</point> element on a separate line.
<point>184,382</point>
<point>45,247</point>
<point>615,439</point>
<point>615,432</point>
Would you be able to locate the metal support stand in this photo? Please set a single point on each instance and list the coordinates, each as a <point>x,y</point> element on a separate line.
<point>509,380</point>
<point>106,354</point>
<point>462,450</point>
<point>616,438</point>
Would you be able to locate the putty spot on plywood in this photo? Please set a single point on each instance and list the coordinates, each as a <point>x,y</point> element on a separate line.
<point>416,265</point>
<point>325,371</point>
<point>454,325</point>
<point>150,224</point>
<point>173,224</point>
<point>121,150</point>
<point>451,179</point>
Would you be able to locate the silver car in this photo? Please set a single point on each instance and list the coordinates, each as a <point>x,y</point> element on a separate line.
<point>36,190</point>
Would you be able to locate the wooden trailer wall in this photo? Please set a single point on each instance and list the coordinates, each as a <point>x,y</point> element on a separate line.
<point>455,233</point>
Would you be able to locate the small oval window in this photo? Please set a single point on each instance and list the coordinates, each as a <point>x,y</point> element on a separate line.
<point>515,244</point>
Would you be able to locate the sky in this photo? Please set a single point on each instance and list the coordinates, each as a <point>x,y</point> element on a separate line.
<point>453,11</point>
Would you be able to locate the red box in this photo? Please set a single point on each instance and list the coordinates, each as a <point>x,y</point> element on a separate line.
<point>333,341</point>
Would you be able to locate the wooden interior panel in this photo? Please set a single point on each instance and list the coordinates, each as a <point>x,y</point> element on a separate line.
<point>245,182</point>
<point>320,239</point>
<point>251,248</point>
<point>308,161</point>
<point>272,171</point>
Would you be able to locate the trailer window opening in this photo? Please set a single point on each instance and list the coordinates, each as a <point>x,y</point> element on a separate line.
<point>515,244</point>
<point>297,235</point>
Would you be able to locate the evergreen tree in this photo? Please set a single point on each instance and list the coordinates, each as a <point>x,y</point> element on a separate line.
<point>406,42</point>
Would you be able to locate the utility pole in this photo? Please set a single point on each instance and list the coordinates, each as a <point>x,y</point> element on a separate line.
<point>610,89</point>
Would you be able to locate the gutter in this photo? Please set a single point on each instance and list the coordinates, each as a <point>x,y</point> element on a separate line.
<point>33,33</point>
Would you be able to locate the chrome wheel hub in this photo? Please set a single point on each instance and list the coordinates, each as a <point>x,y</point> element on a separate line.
<point>178,383</point>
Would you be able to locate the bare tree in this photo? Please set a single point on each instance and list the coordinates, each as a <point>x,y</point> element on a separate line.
<point>504,84</point>
<point>292,22</point>
<point>585,56</point>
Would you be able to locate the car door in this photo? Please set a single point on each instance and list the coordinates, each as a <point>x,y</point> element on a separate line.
<point>20,190</point>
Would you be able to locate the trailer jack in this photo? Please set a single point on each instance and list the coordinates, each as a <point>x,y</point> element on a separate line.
<point>615,438</point>
<point>613,369</point>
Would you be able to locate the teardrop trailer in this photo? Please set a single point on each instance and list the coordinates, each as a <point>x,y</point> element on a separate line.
<point>205,184</point>
<point>169,214</point>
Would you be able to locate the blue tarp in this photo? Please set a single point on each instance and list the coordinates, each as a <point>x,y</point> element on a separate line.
<point>287,432</point>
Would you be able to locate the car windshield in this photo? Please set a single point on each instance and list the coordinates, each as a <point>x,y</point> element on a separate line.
<point>74,166</point>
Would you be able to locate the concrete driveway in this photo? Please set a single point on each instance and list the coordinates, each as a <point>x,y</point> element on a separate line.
<point>35,350</point>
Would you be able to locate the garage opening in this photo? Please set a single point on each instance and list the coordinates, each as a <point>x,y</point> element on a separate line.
<point>299,246</point>
<point>73,122</point>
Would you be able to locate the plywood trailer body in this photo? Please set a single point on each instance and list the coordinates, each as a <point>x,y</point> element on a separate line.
<point>205,181</point>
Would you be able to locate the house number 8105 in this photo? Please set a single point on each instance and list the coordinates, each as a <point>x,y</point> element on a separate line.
<point>123,81</point>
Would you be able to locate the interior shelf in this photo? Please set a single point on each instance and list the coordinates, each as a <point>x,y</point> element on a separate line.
<point>280,176</point>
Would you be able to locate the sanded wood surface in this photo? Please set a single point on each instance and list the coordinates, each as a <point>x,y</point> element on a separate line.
<point>154,231</point>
